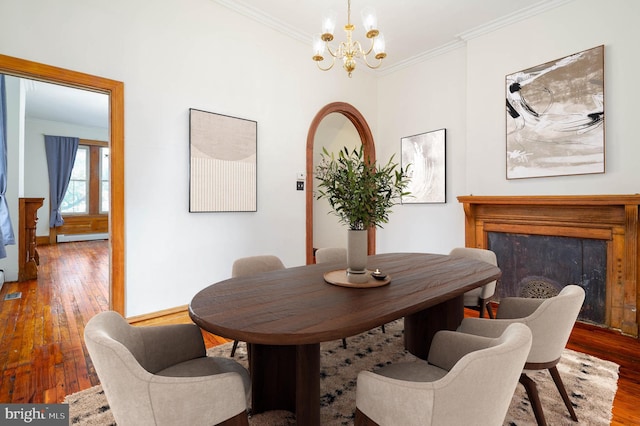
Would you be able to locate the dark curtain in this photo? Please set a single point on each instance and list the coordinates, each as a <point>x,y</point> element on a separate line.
<point>61,154</point>
<point>6,230</point>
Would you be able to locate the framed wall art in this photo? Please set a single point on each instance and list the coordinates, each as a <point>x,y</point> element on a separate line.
<point>223,163</point>
<point>555,117</point>
<point>424,154</point>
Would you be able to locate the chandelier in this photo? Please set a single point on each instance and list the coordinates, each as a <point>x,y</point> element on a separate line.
<point>348,51</point>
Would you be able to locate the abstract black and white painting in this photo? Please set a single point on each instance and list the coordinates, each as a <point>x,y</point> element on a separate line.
<point>222,163</point>
<point>424,156</point>
<point>555,117</point>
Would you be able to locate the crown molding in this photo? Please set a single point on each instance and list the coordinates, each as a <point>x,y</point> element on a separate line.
<point>267,20</point>
<point>422,57</point>
<point>512,18</point>
<point>297,34</point>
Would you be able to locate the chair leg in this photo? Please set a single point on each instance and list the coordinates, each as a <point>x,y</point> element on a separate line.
<point>233,349</point>
<point>489,310</point>
<point>563,392</point>
<point>344,343</point>
<point>383,330</point>
<point>482,308</point>
<point>534,399</point>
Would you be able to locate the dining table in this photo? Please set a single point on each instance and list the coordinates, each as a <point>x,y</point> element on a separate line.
<point>284,315</point>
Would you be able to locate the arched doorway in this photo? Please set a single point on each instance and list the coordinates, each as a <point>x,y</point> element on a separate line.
<point>358,120</point>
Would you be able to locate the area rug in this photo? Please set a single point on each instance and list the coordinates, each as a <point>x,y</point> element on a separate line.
<point>590,382</point>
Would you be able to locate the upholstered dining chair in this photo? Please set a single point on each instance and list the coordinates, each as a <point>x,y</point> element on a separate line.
<point>450,388</point>
<point>331,254</point>
<point>335,254</point>
<point>161,375</point>
<point>551,321</point>
<point>478,298</point>
<point>253,265</point>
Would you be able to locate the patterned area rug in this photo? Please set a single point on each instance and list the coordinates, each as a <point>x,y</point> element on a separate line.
<point>590,382</point>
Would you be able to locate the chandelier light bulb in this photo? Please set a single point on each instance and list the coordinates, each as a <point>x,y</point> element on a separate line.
<point>319,47</point>
<point>379,47</point>
<point>329,23</point>
<point>369,21</point>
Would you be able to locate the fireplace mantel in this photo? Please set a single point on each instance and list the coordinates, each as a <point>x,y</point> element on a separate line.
<point>613,218</point>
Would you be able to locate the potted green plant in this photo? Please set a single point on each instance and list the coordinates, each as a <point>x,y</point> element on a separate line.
<point>361,194</point>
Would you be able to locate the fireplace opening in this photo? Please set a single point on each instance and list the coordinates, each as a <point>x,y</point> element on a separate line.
<point>540,266</point>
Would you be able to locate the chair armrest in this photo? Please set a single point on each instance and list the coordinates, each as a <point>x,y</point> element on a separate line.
<point>518,307</point>
<point>412,401</point>
<point>448,347</point>
<point>484,326</point>
<point>171,344</point>
<point>202,400</point>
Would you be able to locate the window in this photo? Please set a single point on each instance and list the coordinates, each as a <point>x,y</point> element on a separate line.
<point>88,191</point>
<point>75,200</point>
<point>104,180</point>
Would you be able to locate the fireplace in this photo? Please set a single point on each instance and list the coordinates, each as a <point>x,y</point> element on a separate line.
<point>541,265</point>
<point>587,240</point>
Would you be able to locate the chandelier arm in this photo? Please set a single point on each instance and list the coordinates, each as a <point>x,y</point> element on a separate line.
<point>334,53</point>
<point>372,66</point>
<point>370,47</point>
<point>333,62</point>
<point>356,47</point>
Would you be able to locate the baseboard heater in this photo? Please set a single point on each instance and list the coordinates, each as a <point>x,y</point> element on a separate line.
<point>66,238</point>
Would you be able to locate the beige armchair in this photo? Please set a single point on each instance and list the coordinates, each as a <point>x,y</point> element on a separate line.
<point>478,298</point>
<point>451,388</point>
<point>253,265</point>
<point>161,375</point>
<point>331,254</point>
<point>551,321</point>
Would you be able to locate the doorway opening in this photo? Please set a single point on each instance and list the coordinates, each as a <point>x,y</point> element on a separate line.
<point>115,90</point>
<point>366,137</point>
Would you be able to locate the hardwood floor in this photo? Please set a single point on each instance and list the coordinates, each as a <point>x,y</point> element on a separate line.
<point>43,357</point>
<point>42,354</point>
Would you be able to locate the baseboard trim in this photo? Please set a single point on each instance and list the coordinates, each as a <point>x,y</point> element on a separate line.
<point>177,315</point>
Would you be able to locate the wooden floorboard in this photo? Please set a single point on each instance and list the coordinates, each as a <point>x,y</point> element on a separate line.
<point>43,357</point>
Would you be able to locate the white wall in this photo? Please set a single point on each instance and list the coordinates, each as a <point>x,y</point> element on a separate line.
<point>428,96</point>
<point>569,29</point>
<point>463,91</point>
<point>173,55</point>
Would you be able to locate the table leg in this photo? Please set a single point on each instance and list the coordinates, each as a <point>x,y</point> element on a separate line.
<point>286,378</point>
<point>308,384</point>
<point>419,328</point>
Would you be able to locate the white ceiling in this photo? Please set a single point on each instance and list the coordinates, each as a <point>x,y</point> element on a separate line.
<point>413,29</point>
<point>53,102</point>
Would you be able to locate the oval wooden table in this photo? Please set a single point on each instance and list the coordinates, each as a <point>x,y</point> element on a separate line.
<point>284,315</point>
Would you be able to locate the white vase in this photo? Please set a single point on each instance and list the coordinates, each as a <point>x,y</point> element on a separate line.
<point>356,251</point>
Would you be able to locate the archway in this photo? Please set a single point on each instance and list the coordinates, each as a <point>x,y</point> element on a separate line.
<point>358,120</point>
